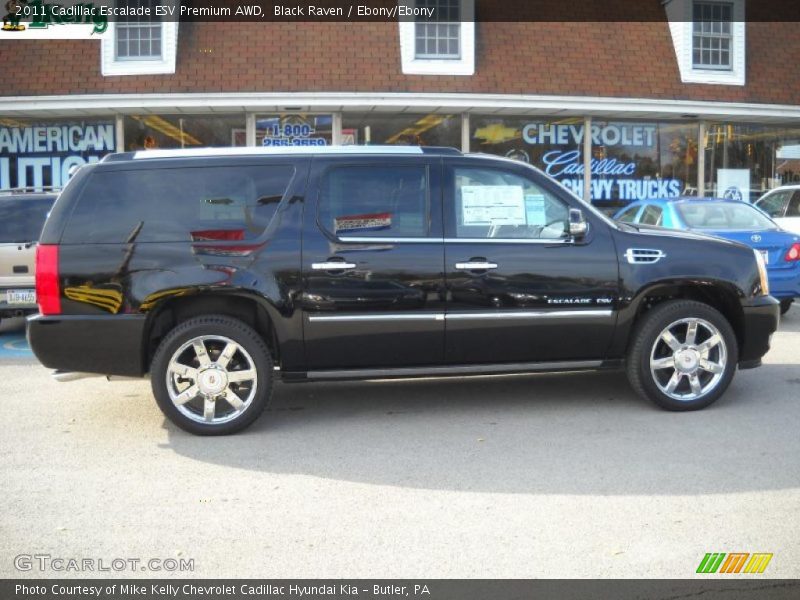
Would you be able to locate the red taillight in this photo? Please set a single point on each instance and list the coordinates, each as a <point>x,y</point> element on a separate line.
<point>48,296</point>
<point>793,254</point>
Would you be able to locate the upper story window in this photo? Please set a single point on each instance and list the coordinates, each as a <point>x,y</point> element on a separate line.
<point>709,40</point>
<point>439,39</point>
<point>145,46</point>
<point>139,40</point>
<point>712,35</point>
<point>439,36</point>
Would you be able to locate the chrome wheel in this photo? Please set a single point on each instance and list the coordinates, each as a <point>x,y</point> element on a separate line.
<point>688,359</point>
<point>211,379</point>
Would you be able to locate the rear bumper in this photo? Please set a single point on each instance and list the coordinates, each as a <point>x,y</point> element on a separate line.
<point>761,319</point>
<point>109,345</point>
<point>784,283</point>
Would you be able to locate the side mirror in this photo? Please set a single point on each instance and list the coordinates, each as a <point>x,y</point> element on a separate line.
<point>577,224</point>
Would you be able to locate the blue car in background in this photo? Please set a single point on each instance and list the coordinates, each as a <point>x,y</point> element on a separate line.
<point>732,220</point>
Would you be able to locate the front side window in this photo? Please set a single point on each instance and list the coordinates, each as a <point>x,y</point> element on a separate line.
<point>492,203</point>
<point>629,215</point>
<point>180,204</point>
<point>651,215</point>
<point>372,201</point>
<point>140,39</point>
<point>438,36</point>
<point>775,204</point>
<point>712,24</point>
<point>793,210</point>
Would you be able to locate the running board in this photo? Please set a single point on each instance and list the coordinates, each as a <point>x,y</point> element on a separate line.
<point>66,376</point>
<point>462,370</point>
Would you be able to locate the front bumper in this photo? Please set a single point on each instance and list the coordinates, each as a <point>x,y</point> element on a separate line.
<point>761,318</point>
<point>109,345</point>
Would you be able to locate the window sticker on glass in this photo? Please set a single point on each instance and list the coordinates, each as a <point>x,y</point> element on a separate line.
<point>535,209</point>
<point>362,223</point>
<point>492,205</point>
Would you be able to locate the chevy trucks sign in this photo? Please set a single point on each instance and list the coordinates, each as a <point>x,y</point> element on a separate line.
<point>611,177</point>
<point>629,160</point>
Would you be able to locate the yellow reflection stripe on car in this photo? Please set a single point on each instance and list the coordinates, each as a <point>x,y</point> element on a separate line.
<point>150,300</point>
<point>110,300</point>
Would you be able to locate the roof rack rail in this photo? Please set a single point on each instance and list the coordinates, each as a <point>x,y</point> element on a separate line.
<point>33,189</point>
<point>117,156</point>
<point>448,150</point>
<point>277,150</point>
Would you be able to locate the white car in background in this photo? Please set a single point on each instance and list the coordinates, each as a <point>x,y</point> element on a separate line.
<point>783,205</point>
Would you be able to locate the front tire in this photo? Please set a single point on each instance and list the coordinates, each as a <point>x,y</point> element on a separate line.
<point>786,304</point>
<point>683,355</point>
<point>212,375</point>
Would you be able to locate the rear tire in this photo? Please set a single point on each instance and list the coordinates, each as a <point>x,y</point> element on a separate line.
<point>786,305</point>
<point>683,355</point>
<point>212,375</point>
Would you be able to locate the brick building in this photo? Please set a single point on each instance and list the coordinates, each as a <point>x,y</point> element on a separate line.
<point>694,96</point>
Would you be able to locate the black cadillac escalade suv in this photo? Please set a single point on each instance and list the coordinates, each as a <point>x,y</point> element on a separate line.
<point>217,271</point>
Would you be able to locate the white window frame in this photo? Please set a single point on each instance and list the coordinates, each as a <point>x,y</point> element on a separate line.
<point>122,26</point>
<point>712,36</point>
<point>465,65</point>
<point>111,65</point>
<point>435,24</point>
<point>679,14</point>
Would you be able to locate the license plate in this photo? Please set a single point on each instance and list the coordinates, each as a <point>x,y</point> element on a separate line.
<point>21,297</point>
<point>765,254</point>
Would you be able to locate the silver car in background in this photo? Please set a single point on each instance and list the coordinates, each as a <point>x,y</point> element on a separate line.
<point>22,215</point>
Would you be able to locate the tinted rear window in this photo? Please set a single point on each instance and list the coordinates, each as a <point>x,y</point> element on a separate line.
<point>22,219</point>
<point>177,205</point>
<point>375,201</point>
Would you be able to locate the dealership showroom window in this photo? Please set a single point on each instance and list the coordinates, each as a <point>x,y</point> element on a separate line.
<point>629,160</point>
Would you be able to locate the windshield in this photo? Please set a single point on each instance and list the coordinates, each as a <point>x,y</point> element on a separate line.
<point>21,219</point>
<point>723,215</point>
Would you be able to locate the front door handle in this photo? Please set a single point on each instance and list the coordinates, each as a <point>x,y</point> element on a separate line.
<point>476,266</point>
<point>332,265</point>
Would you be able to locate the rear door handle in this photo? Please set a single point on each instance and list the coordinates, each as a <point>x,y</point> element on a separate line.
<point>332,265</point>
<point>476,266</point>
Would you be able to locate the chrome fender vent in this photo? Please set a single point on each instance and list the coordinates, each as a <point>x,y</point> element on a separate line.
<point>643,256</point>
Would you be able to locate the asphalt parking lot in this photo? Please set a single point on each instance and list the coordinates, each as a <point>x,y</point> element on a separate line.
<point>520,476</point>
